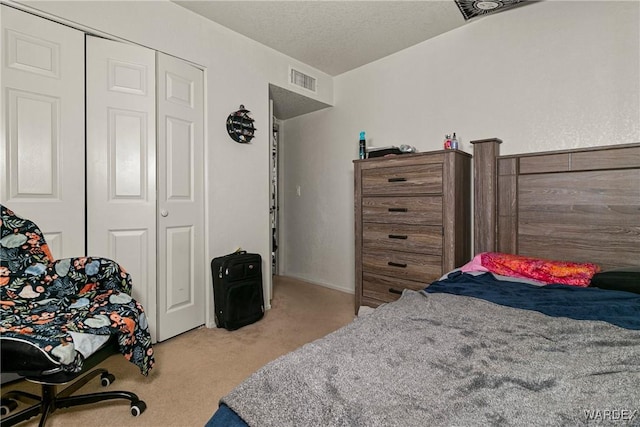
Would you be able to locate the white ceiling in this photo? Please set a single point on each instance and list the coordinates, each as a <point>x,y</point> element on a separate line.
<point>334,36</point>
<point>338,36</point>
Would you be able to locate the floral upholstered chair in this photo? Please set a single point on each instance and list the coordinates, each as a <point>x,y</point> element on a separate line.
<point>59,318</point>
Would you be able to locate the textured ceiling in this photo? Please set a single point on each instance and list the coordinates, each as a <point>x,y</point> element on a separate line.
<point>338,36</point>
<point>334,36</point>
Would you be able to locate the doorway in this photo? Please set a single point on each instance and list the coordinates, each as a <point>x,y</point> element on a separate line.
<point>284,105</point>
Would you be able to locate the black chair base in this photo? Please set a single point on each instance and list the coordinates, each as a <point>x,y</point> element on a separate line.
<point>51,400</point>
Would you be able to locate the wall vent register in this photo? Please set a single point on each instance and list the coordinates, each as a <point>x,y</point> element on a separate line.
<point>305,81</point>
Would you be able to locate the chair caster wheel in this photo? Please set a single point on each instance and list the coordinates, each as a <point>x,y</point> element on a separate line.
<point>138,408</point>
<point>107,379</point>
<point>8,405</point>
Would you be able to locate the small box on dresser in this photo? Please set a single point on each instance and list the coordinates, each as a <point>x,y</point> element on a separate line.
<point>412,222</point>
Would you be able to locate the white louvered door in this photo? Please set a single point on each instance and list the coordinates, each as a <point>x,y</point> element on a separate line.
<point>121,162</point>
<point>181,266</point>
<point>42,127</point>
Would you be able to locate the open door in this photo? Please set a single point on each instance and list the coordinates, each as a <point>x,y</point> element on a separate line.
<point>274,205</point>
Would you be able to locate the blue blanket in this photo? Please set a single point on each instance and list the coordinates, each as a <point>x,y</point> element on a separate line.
<point>616,307</point>
<point>225,417</point>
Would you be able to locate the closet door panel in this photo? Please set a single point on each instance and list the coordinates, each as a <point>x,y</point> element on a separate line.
<point>121,162</point>
<point>42,116</point>
<point>32,120</point>
<point>181,274</point>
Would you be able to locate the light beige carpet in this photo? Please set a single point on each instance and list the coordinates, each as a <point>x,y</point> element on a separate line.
<point>195,369</point>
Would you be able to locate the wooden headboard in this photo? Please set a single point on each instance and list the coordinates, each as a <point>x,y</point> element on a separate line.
<point>577,205</point>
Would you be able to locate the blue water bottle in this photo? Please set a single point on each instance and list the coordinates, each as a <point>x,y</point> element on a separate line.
<point>363,146</point>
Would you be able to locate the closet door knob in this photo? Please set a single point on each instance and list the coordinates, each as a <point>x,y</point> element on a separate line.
<point>164,213</point>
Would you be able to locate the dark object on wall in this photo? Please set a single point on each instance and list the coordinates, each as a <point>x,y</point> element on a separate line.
<point>240,126</point>
<point>473,8</point>
<point>237,289</point>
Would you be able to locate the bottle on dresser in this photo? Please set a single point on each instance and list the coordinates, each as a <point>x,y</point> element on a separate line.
<point>454,142</point>
<point>447,142</point>
<point>362,146</point>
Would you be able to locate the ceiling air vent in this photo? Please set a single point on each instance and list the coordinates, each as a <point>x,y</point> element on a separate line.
<point>474,8</point>
<point>301,79</point>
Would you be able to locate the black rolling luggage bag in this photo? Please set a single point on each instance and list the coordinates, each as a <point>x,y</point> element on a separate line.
<point>237,289</point>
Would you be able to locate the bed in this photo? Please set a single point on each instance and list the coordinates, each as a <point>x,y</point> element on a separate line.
<point>481,347</point>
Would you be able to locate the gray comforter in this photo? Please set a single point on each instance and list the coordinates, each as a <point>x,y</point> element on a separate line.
<point>439,359</point>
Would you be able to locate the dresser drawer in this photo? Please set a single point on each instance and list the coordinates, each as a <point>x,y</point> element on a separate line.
<point>410,266</point>
<point>414,179</point>
<point>386,289</point>
<point>422,239</point>
<point>403,210</point>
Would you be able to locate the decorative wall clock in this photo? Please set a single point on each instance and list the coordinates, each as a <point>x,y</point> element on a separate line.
<point>240,126</point>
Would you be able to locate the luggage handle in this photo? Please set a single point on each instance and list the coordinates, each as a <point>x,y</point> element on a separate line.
<point>238,251</point>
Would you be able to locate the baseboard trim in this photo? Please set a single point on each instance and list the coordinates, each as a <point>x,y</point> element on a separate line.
<point>320,283</point>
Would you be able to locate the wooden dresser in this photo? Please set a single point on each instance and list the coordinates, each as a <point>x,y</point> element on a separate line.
<point>412,222</point>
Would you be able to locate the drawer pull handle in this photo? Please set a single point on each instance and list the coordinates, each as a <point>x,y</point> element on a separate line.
<point>397,179</point>
<point>397,264</point>
<point>395,291</point>
<point>398,210</point>
<point>398,236</point>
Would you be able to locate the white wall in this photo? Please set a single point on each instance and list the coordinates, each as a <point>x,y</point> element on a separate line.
<point>238,71</point>
<point>551,75</point>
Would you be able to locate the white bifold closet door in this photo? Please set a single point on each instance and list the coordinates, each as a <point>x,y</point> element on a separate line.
<point>42,122</point>
<point>121,161</point>
<point>155,231</point>
<point>141,160</point>
<point>181,271</point>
